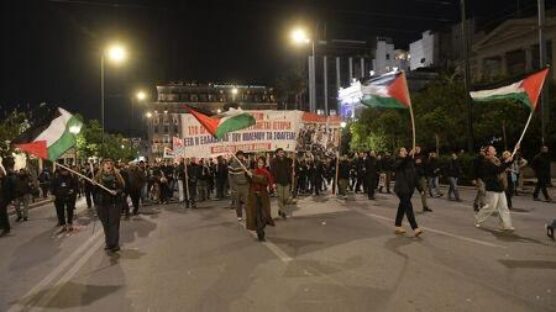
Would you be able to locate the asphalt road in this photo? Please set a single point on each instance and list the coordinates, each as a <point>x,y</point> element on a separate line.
<point>333,255</point>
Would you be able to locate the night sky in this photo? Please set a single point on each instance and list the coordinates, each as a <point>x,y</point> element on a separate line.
<point>51,49</point>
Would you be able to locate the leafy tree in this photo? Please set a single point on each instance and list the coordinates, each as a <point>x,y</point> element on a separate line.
<point>91,142</point>
<point>13,125</point>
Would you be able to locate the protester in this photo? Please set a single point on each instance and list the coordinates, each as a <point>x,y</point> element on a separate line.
<point>507,179</point>
<point>88,187</point>
<point>385,169</point>
<point>44,182</point>
<point>420,163</point>
<point>492,168</point>
<point>9,180</point>
<point>136,180</point>
<point>193,175</point>
<point>221,177</point>
<point>258,205</point>
<point>541,166</point>
<point>281,168</point>
<point>23,194</point>
<point>343,176</point>
<point>239,183</point>
<point>404,167</point>
<point>109,204</point>
<point>432,171</point>
<point>453,172</point>
<point>478,181</point>
<point>371,174</point>
<point>65,187</point>
<point>517,166</point>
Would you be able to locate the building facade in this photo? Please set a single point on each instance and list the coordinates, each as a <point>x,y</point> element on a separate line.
<point>163,118</point>
<point>387,58</point>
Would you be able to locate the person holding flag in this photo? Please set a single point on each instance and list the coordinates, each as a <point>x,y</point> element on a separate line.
<point>406,178</point>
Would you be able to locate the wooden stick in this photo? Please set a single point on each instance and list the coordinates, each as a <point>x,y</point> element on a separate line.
<point>86,178</point>
<point>523,133</point>
<point>240,163</point>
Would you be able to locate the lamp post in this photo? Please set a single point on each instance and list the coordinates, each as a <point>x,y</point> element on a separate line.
<point>343,124</point>
<point>300,36</point>
<point>115,54</point>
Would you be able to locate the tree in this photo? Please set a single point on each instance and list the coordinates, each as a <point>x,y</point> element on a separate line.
<point>13,125</point>
<point>92,142</point>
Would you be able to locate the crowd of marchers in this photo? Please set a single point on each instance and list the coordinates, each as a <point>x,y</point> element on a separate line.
<point>249,180</point>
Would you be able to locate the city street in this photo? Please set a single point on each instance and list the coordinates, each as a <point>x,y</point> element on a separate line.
<point>333,255</point>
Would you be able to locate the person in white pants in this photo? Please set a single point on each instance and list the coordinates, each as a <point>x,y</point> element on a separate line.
<point>495,199</point>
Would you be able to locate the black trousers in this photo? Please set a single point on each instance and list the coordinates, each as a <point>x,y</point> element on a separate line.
<point>541,186</point>
<point>89,196</point>
<point>110,215</point>
<point>64,208</point>
<point>4,220</point>
<point>190,198</point>
<point>220,186</point>
<point>44,189</point>
<point>371,185</point>
<point>135,197</point>
<point>405,208</point>
<point>259,215</point>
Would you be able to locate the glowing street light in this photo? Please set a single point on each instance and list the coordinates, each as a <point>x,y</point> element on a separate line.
<point>149,115</point>
<point>116,53</point>
<point>343,124</point>
<point>234,91</point>
<point>299,36</point>
<point>141,95</point>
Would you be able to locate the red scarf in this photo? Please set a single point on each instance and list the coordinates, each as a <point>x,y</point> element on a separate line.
<point>269,179</point>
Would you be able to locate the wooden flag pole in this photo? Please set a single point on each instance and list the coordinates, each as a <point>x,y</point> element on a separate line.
<point>86,178</point>
<point>523,133</point>
<point>412,125</point>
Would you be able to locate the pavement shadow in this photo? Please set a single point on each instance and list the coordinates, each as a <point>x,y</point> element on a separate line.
<point>135,228</point>
<point>309,268</point>
<point>71,295</point>
<point>296,244</point>
<point>40,248</point>
<point>395,243</point>
<point>528,264</point>
<point>512,237</point>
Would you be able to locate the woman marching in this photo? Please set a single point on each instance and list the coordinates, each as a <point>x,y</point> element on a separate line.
<point>109,203</point>
<point>406,180</point>
<point>258,201</point>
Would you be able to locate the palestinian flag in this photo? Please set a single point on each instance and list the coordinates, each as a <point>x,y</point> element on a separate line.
<point>386,91</point>
<point>525,91</point>
<point>51,135</point>
<point>229,121</point>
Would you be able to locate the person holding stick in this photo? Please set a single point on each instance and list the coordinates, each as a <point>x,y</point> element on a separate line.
<point>406,182</point>
<point>258,202</point>
<point>108,203</point>
<point>239,183</point>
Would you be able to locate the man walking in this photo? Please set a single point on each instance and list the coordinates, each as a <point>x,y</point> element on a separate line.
<point>281,169</point>
<point>420,162</point>
<point>65,187</point>
<point>239,184</point>
<point>8,179</point>
<point>370,174</point>
<point>541,166</point>
<point>453,172</point>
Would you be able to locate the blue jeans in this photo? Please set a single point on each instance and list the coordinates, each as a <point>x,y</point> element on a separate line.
<point>433,186</point>
<point>453,188</point>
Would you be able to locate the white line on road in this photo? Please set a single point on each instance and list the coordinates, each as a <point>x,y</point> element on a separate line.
<point>282,255</point>
<point>428,229</point>
<point>29,298</point>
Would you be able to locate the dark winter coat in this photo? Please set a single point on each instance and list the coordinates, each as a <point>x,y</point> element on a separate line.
<point>281,170</point>
<point>492,170</point>
<point>453,169</point>
<point>541,166</point>
<point>262,182</point>
<point>371,167</point>
<point>65,187</point>
<point>406,176</point>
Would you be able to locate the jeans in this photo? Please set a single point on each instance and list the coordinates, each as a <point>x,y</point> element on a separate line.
<point>283,193</point>
<point>405,208</point>
<point>23,201</point>
<point>453,188</point>
<point>109,215</point>
<point>481,194</point>
<point>496,202</point>
<point>64,208</point>
<point>433,186</point>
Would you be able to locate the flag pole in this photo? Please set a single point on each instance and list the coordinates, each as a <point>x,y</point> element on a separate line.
<point>85,177</point>
<point>523,133</point>
<point>412,125</point>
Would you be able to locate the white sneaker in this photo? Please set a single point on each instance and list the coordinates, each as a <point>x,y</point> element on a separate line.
<point>239,219</point>
<point>477,225</point>
<point>484,206</point>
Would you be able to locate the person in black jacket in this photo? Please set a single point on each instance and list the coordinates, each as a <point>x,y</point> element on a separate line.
<point>420,161</point>
<point>477,173</point>
<point>221,176</point>
<point>193,176</point>
<point>108,203</point>
<point>541,166</point>
<point>406,181</point>
<point>7,190</point>
<point>371,174</point>
<point>65,187</point>
<point>493,173</point>
<point>453,172</point>
<point>343,176</point>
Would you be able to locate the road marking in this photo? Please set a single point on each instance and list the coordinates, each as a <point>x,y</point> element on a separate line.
<point>45,282</point>
<point>55,289</point>
<point>428,229</point>
<point>282,255</point>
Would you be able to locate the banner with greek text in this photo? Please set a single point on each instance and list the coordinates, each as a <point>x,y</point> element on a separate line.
<point>274,129</point>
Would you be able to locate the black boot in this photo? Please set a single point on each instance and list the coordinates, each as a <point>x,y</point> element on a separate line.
<point>260,236</point>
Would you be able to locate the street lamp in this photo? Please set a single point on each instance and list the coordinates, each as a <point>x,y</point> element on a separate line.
<point>141,95</point>
<point>300,36</point>
<point>115,54</point>
<point>149,115</point>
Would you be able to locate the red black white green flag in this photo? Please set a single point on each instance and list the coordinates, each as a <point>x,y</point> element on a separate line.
<point>525,91</point>
<point>386,91</point>
<point>229,121</point>
<point>50,135</point>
